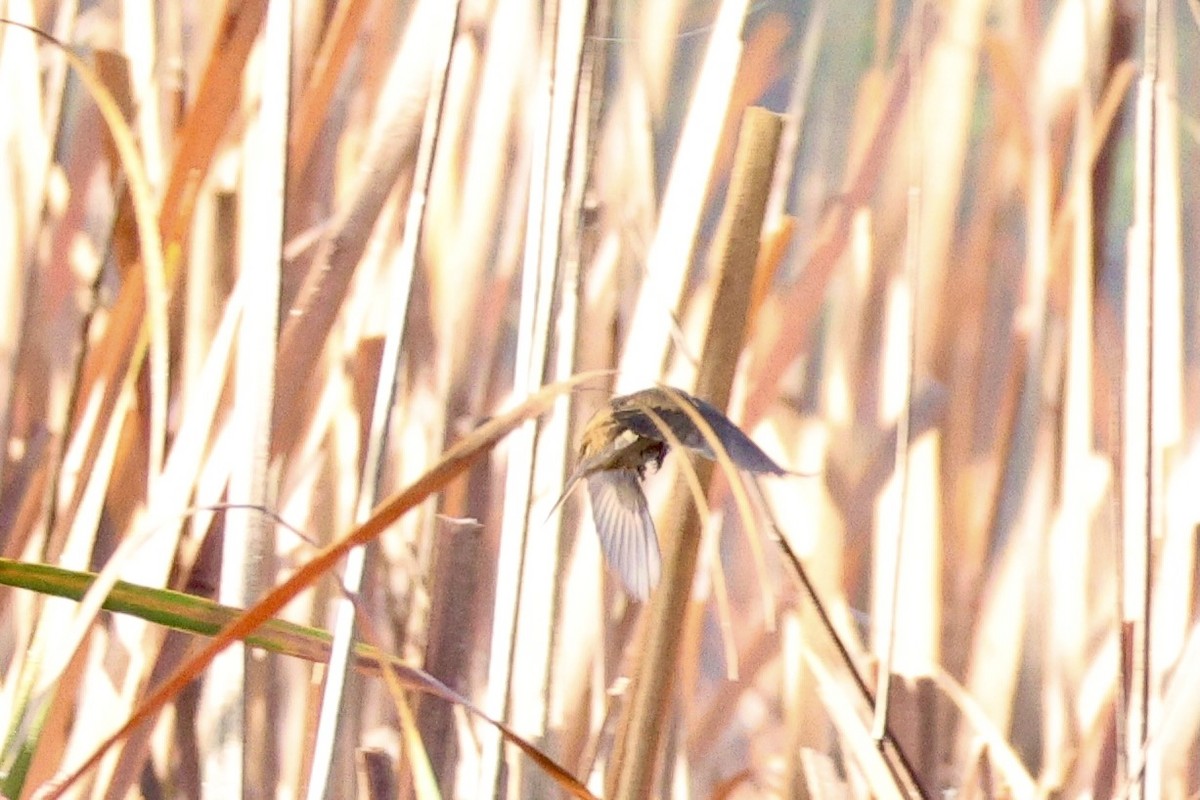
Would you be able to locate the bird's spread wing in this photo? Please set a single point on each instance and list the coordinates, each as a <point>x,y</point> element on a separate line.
<point>741,448</point>
<point>590,464</point>
<point>626,529</point>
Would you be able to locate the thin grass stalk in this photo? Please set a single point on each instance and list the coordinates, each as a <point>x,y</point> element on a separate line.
<point>241,758</point>
<point>476,221</point>
<point>793,124</point>
<point>538,279</point>
<point>40,722</point>
<point>1068,544</point>
<point>149,251</point>
<point>795,694</point>
<point>711,558</point>
<point>155,539</point>
<point>122,346</point>
<point>52,667</point>
<point>1175,561</point>
<point>66,17</point>
<point>520,646</point>
<point>453,462</point>
<point>573,111</point>
<point>848,712</point>
<point>803,299</point>
<point>341,32</point>
<point>669,260</point>
<point>1138,463</point>
<point>25,208</point>
<point>424,783</point>
<point>140,37</point>
<point>576,633</point>
<point>1173,539</point>
<point>904,328</point>
<point>735,251</point>
<point>23,203</point>
<point>559,236</point>
<point>371,484</point>
<point>832,666</point>
<point>154,558</point>
<point>389,154</point>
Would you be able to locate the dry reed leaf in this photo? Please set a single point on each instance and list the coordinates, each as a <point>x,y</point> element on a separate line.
<point>425,785</point>
<point>389,154</point>
<point>757,70</point>
<point>1032,297</point>
<point>453,462</point>
<point>119,352</point>
<point>674,240</point>
<point>734,254</point>
<point>1140,457</point>
<point>773,250</point>
<point>998,750</point>
<point>340,33</point>
<point>154,538</point>
<point>805,298</point>
<point>848,714</point>
<point>216,98</point>
<point>821,778</point>
<point>334,712</point>
<point>150,241</point>
<point>527,570</point>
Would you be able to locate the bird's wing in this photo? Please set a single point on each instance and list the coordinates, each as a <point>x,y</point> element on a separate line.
<point>741,448</point>
<point>589,464</point>
<point>626,529</point>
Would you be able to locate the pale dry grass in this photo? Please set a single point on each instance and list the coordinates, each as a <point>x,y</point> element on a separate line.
<point>334,238</point>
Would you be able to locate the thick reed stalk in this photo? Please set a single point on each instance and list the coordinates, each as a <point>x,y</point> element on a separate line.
<point>734,254</point>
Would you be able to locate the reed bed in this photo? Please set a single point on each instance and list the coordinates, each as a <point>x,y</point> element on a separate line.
<point>306,303</point>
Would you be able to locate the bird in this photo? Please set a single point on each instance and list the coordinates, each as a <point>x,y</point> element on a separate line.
<point>624,440</point>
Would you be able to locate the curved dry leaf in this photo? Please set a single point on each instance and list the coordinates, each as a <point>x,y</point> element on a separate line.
<point>454,462</point>
<point>1020,782</point>
<point>150,240</point>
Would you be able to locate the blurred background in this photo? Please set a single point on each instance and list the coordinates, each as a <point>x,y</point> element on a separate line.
<point>264,262</point>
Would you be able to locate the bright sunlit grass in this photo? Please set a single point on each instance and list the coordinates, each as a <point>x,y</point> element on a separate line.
<point>953,282</point>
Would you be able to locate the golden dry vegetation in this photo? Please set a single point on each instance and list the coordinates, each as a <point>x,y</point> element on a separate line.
<point>284,284</point>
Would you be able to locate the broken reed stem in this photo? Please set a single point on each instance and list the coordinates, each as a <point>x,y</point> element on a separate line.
<point>735,252</point>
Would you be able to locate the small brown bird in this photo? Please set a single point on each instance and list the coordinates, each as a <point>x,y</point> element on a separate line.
<point>619,442</point>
